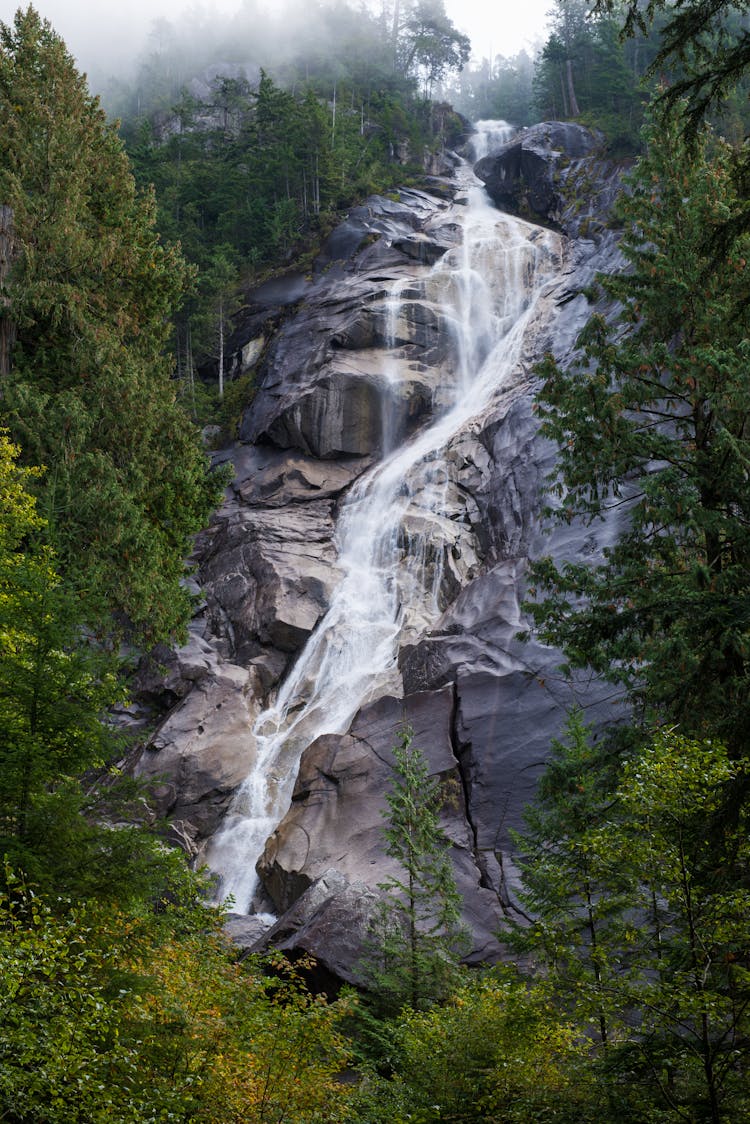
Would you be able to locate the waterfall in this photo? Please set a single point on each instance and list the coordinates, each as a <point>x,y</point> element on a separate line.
<point>489,136</point>
<point>394,540</point>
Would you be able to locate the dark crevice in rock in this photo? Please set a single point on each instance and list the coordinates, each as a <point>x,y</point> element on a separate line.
<point>484,880</point>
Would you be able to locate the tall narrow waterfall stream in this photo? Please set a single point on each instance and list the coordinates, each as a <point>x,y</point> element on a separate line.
<point>394,540</point>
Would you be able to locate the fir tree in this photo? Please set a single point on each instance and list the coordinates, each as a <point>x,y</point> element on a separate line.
<point>652,418</point>
<point>641,922</point>
<point>89,394</point>
<point>418,937</point>
<point>569,890</point>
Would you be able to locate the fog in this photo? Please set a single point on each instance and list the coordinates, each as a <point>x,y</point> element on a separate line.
<point>107,36</point>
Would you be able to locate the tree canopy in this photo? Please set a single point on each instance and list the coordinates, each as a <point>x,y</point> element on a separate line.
<point>88,393</point>
<point>652,419</point>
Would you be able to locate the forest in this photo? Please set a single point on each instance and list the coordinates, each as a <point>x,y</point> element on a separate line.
<point>132,226</point>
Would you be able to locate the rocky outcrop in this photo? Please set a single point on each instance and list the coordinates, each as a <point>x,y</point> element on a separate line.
<point>326,388</point>
<point>346,371</point>
<point>337,814</point>
<point>554,172</point>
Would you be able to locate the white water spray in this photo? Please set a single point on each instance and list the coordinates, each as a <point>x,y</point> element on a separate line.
<point>393,536</point>
<point>489,137</point>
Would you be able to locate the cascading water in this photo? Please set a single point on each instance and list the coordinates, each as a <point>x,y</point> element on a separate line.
<point>393,538</point>
<point>489,136</point>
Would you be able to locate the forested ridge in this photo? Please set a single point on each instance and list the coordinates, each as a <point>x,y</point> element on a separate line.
<point>126,251</point>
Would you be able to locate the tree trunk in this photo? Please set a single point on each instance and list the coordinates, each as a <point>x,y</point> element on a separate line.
<point>396,26</point>
<point>221,349</point>
<point>7,255</point>
<point>574,110</point>
<point>190,365</point>
<point>333,121</point>
<point>564,97</point>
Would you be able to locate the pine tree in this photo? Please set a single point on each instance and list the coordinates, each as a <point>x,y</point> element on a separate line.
<point>711,36</point>
<point>687,926</point>
<point>89,394</point>
<point>53,688</point>
<point>641,921</point>
<point>652,418</point>
<point>571,891</point>
<point>418,936</point>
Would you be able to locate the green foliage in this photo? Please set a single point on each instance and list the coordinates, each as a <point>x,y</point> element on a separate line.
<point>496,1051</point>
<point>687,864</point>
<point>642,922</point>
<point>651,419</point>
<point>261,166</point>
<point>708,39</point>
<point>696,64</point>
<point>89,395</point>
<point>53,688</point>
<point>430,45</point>
<point>267,182</point>
<point>108,1016</point>
<point>585,71</point>
<point>61,1057</point>
<point>571,892</point>
<point>240,1042</point>
<point>417,938</point>
<point>497,89</point>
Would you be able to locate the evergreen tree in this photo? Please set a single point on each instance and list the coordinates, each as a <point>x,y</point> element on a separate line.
<point>641,922</point>
<point>54,691</point>
<point>432,46</point>
<point>496,1052</point>
<point>570,37</point>
<point>418,936</point>
<point>89,394</point>
<point>708,39</point>
<point>53,688</point>
<point>571,891</point>
<point>651,418</point>
<point>119,1018</point>
<point>219,292</point>
<point>702,62</point>
<point>584,70</point>
<point>687,928</point>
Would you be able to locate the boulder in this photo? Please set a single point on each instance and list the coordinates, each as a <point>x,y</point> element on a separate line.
<point>523,177</point>
<point>267,563</point>
<point>260,601</point>
<point>200,753</point>
<point>324,384</point>
<point>329,922</point>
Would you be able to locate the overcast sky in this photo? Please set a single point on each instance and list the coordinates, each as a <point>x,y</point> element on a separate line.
<point>111,28</point>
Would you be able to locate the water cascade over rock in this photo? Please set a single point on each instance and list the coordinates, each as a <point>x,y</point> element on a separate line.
<point>366,570</point>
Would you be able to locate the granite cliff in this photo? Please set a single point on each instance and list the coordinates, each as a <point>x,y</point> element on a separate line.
<point>355,362</point>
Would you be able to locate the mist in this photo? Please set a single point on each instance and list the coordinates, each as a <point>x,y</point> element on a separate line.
<point>109,39</point>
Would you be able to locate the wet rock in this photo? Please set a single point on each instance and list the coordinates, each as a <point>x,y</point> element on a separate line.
<point>524,176</point>
<point>323,380</point>
<point>261,600</point>
<point>329,922</point>
<point>200,753</point>
<point>267,563</point>
<point>339,809</point>
<point>247,933</point>
<point>483,704</point>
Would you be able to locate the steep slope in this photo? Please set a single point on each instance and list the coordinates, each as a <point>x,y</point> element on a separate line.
<point>366,570</point>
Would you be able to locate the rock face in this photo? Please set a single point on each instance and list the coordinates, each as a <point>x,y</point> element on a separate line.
<point>528,175</point>
<point>361,361</point>
<point>336,818</point>
<point>325,387</point>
